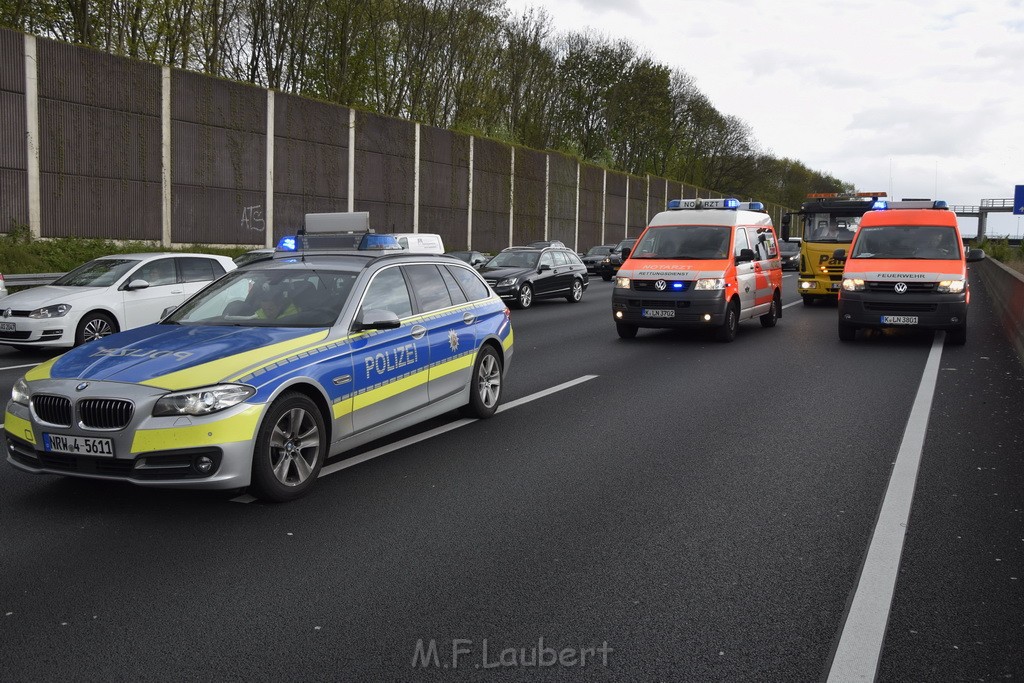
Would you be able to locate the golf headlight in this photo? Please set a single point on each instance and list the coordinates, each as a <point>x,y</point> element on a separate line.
<point>622,283</point>
<point>950,286</point>
<point>50,311</point>
<point>19,392</point>
<point>202,401</point>
<point>507,282</point>
<point>853,284</point>
<point>710,283</point>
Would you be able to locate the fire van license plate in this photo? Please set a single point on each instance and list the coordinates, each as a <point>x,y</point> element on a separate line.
<point>899,319</point>
<point>658,313</point>
<point>78,445</point>
<point>8,327</point>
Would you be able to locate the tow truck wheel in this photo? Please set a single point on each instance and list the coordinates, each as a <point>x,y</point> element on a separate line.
<point>808,300</point>
<point>290,449</point>
<point>770,318</point>
<point>727,332</point>
<point>957,336</point>
<point>626,331</point>
<point>847,332</point>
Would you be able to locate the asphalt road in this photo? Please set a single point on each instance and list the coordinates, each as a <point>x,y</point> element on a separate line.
<point>695,511</point>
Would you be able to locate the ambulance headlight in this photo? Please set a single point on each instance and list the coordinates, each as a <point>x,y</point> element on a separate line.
<point>950,286</point>
<point>710,283</point>
<point>202,401</point>
<point>622,283</point>
<point>19,392</point>
<point>853,284</point>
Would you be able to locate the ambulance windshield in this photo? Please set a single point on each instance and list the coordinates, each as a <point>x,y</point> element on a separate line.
<point>907,242</point>
<point>684,242</point>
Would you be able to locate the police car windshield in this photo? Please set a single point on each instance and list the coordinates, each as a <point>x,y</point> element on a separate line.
<point>269,298</point>
<point>99,273</point>
<point>515,259</point>
<point>685,242</point>
<point>907,242</point>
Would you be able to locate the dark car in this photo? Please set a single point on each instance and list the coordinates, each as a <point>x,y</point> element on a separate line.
<point>789,254</point>
<point>540,244</point>
<point>473,258</point>
<point>595,255</point>
<point>609,265</point>
<point>522,275</point>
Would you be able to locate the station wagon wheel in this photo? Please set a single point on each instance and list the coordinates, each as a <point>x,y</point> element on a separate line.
<point>94,326</point>
<point>577,291</point>
<point>485,385</point>
<point>290,449</point>
<point>525,296</point>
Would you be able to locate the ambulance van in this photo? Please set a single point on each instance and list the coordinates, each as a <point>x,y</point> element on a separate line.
<point>907,267</point>
<point>702,264</point>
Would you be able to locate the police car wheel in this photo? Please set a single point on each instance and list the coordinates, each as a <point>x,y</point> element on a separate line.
<point>577,292</point>
<point>626,331</point>
<point>727,332</point>
<point>847,332</point>
<point>525,299</point>
<point>290,449</point>
<point>770,318</point>
<point>94,326</point>
<point>485,388</point>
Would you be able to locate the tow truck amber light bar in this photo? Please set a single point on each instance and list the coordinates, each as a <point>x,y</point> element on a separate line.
<point>845,195</point>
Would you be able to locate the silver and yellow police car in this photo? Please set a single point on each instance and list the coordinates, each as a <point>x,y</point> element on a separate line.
<point>260,377</point>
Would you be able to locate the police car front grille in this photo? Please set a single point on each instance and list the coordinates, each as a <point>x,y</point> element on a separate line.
<point>85,464</point>
<point>670,285</point>
<point>912,287</point>
<point>899,307</point>
<point>55,410</point>
<point>104,413</point>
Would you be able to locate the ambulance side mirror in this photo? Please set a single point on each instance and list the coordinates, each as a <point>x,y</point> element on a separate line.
<point>745,256</point>
<point>839,254</point>
<point>625,253</point>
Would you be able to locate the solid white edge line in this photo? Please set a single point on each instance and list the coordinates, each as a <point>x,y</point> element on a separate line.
<point>408,441</point>
<point>860,645</point>
<point>794,303</point>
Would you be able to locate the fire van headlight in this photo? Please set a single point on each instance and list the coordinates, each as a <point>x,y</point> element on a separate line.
<point>710,283</point>
<point>19,392</point>
<point>202,401</point>
<point>853,284</point>
<point>950,286</point>
<point>57,311</point>
<point>622,283</point>
<point>507,282</point>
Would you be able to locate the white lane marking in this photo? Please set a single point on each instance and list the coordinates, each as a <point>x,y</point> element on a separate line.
<point>791,304</point>
<point>383,450</point>
<point>18,367</point>
<point>860,645</point>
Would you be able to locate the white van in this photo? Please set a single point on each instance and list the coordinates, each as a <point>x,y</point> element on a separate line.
<point>420,242</point>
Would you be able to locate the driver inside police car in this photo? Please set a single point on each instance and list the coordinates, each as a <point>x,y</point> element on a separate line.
<point>274,305</point>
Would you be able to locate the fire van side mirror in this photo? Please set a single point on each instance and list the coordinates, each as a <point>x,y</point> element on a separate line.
<point>839,254</point>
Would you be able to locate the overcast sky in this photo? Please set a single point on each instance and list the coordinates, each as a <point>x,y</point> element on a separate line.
<point>912,97</point>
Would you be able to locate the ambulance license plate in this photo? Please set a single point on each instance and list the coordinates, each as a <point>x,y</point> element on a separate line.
<point>658,313</point>
<point>8,327</point>
<point>899,319</point>
<point>78,445</point>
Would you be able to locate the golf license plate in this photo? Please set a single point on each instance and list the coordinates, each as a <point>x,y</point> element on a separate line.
<point>658,313</point>
<point>78,445</point>
<point>899,319</point>
<point>8,327</point>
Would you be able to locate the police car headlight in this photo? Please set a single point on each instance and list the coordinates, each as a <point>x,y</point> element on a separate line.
<point>710,283</point>
<point>507,282</point>
<point>202,401</point>
<point>853,284</point>
<point>950,286</point>
<point>51,311</point>
<point>19,392</point>
<point>622,283</point>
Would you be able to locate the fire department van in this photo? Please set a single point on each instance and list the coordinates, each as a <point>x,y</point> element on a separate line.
<point>907,267</point>
<point>702,264</point>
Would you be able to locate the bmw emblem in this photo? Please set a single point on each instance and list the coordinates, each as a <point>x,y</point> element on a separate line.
<point>82,386</point>
<point>901,288</point>
<point>660,285</point>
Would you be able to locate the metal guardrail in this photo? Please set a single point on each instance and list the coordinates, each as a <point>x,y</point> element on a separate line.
<point>30,279</point>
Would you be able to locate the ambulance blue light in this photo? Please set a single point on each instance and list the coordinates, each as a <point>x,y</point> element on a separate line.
<point>756,206</point>
<point>673,204</point>
<point>732,203</point>
<point>941,204</point>
<point>382,242</point>
<point>287,243</point>
<point>880,205</point>
<point>677,285</point>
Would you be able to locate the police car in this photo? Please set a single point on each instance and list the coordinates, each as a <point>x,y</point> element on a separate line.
<point>270,370</point>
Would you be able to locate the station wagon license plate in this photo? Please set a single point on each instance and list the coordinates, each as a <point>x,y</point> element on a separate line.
<point>658,313</point>
<point>899,319</point>
<point>78,445</point>
<point>8,327</point>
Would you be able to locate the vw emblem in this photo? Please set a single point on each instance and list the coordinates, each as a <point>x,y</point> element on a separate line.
<point>7,313</point>
<point>660,285</point>
<point>901,288</point>
<point>82,386</point>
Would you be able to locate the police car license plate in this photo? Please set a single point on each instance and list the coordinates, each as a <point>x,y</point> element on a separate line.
<point>658,313</point>
<point>899,319</point>
<point>8,327</point>
<point>78,445</point>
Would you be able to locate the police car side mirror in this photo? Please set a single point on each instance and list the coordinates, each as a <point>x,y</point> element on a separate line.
<point>745,256</point>
<point>975,254</point>
<point>137,284</point>
<point>376,319</point>
<point>839,254</point>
